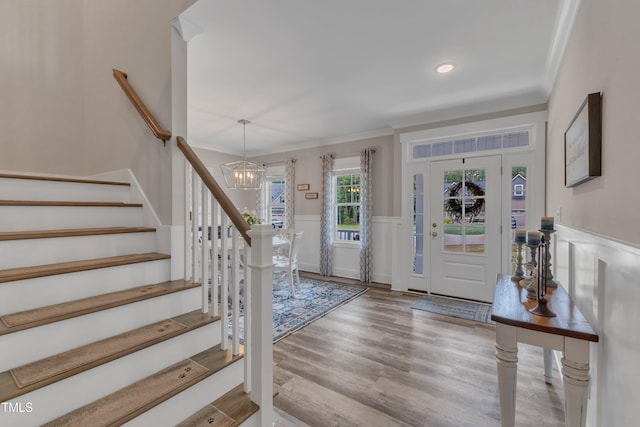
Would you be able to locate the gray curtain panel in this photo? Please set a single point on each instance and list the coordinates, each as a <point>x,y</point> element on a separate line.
<point>366,214</point>
<point>326,217</point>
<point>289,194</point>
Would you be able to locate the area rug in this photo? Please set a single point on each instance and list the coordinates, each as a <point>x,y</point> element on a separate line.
<point>314,299</point>
<point>455,307</point>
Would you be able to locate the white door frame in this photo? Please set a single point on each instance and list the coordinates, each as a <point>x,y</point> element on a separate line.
<point>531,156</point>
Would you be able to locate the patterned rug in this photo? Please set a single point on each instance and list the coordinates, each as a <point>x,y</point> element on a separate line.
<point>314,299</point>
<point>455,307</point>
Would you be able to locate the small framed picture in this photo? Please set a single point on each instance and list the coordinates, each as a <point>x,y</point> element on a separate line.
<point>310,195</point>
<point>303,187</point>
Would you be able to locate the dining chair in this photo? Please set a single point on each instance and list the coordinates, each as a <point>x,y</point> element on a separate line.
<point>288,263</point>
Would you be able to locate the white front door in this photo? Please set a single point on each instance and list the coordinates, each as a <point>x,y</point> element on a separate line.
<point>464,230</point>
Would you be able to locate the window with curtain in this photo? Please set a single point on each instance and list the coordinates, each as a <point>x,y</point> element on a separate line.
<point>346,199</point>
<point>273,197</point>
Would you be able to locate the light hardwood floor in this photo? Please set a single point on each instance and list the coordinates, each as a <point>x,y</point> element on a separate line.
<point>377,362</point>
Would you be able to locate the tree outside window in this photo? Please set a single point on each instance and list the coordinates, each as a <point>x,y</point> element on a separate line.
<point>347,205</point>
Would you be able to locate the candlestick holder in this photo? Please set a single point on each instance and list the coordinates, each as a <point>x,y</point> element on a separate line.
<point>519,273</point>
<point>541,309</point>
<point>546,262</point>
<point>533,250</point>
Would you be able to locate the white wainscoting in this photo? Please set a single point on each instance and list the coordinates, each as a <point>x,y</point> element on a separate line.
<point>603,278</point>
<point>346,256</point>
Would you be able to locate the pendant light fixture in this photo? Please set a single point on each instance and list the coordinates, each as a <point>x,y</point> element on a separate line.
<point>243,175</point>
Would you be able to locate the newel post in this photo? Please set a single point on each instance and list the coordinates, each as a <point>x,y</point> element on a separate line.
<point>261,329</point>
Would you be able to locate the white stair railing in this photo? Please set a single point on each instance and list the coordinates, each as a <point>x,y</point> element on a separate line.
<point>223,254</point>
<point>197,235</point>
<point>215,259</point>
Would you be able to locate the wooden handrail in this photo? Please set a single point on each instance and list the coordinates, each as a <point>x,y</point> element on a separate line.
<point>227,205</point>
<point>121,78</point>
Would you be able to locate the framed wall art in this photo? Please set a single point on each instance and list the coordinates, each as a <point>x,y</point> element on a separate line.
<point>310,195</point>
<point>583,143</point>
<point>303,187</point>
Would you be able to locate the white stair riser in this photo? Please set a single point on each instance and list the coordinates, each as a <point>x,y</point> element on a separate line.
<point>43,291</point>
<point>47,340</point>
<point>185,404</point>
<point>29,218</point>
<point>25,253</point>
<point>30,189</point>
<point>252,421</point>
<point>64,396</point>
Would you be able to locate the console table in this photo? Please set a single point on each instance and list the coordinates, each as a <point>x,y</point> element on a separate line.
<point>568,332</point>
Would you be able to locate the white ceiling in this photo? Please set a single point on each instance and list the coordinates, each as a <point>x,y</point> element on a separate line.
<point>313,72</point>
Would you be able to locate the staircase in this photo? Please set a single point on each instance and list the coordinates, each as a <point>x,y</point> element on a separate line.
<point>92,329</point>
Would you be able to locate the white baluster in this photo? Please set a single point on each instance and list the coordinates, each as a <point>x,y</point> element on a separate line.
<point>224,286</point>
<point>235,288</point>
<point>205,249</point>
<point>215,270</point>
<point>188,170</point>
<point>247,319</point>
<point>194,227</point>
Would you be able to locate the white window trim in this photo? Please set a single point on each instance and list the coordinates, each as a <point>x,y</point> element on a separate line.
<point>343,167</point>
<point>518,189</point>
<point>266,189</point>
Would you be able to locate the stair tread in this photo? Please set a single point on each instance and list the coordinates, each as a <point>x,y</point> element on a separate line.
<point>27,319</point>
<point>232,408</point>
<point>24,379</point>
<point>72,232</point>
<point>62,179</point>
<point>68,203</point>
<point>137,398</point>
<point>22,273</point>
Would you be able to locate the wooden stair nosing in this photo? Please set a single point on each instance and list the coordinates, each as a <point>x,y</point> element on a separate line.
<point>22,273</point>
<point>171,287</point>
<point>68,203</point>
<point>192,320</point>
<point>61,179</point>
<point>72,232</point>
<point>236,404</point>
<point>214,359</point>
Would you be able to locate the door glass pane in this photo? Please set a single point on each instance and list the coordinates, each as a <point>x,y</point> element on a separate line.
<point>518,203</point>
<point>418,223</point>
<point>463,211</point>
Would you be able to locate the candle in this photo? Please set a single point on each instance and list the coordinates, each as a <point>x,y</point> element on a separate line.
<point>521,236</point>
<point>546,223</point>
<point>533,238</point>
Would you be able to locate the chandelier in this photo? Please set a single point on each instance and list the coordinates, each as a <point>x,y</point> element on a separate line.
<point>243,175</point>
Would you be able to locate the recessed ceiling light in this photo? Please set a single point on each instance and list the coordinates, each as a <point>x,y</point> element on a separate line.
<point>445,68</point>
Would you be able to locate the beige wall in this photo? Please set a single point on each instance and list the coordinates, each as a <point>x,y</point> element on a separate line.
<point>309,171</point>
<point>62,111</point>
<point>212,160</point>
<point>41,86</point>
<point>602,56</point>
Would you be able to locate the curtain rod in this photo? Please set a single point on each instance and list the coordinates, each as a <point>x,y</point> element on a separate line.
<point>281,162</point>
<point>351,153</point>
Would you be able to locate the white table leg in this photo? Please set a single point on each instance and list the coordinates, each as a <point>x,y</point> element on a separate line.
<point>507,359</point>
<point>548,365</point>
<point>575,371</point>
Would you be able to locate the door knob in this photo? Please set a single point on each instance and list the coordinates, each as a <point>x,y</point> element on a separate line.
<point>434,234</point>
<point>434,225</point>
